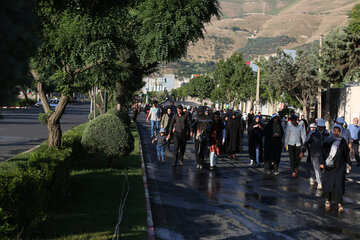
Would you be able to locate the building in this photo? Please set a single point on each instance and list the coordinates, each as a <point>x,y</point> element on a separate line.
<point>159,83</point>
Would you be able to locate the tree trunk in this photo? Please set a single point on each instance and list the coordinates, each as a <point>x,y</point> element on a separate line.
<point>43,98</point>
<point>54,128</point>
<point>305,112</point>
<point>25,95</point>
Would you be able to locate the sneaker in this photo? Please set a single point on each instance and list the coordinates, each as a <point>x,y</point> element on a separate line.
<point>267,171</point>
<point>276,172</point>
<point>312,181</point>
<point>200,166</point>
<point>293,175</point>
<point>297,171</point>
<point>211,168</point>
<point>319,186</point>
<point>163,161</point>
<point>181,163</point>
<point>159,160</point>
<point>251,162</point>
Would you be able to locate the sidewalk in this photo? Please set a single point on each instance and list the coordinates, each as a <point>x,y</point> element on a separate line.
<point>241,202</point>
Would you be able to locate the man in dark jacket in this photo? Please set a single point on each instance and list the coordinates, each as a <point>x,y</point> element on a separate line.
<point>180,124</point>
<point>314,142</point>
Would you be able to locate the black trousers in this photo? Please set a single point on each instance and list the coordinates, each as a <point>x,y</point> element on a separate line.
<point>294,153</point>
<point>355,145</point>
<point>333,196</point>
<point>199,151</point>
<point>179,144</point>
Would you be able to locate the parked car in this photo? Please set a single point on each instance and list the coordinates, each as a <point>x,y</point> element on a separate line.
<point>265,119</point>
<point>38,103</point>
<point>53,103</point>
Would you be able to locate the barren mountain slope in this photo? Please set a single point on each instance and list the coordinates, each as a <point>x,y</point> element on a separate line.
<point>305,20</point>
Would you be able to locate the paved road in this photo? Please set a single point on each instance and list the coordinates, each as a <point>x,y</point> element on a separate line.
<point>21,130</point>
<point>241,202</point>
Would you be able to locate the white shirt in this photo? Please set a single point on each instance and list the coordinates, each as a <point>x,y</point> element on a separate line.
<point>295,136</point>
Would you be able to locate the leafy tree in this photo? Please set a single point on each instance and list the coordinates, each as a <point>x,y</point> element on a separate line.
<point>201,87</point>
<point>110,44</point>
<point>18,44</point>
<point>354,20</point>
<point>234,80</point>
<point>305,86</point>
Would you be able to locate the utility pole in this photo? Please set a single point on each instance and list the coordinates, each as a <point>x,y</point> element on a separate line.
<point>319,88</point>
<point>258,87</point>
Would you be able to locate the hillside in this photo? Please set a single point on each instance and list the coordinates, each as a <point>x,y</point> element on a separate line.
<point>304,20</point>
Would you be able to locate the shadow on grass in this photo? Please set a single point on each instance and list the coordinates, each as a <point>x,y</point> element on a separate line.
<point>92,209</point>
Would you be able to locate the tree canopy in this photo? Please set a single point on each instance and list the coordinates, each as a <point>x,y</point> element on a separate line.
<point>234,80</point>
<point>18,44</point>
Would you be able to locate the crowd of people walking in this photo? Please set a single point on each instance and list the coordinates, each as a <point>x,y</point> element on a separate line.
<point>218,134</point>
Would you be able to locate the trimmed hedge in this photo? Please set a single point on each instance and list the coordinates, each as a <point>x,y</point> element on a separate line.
<point>33,187</point>
<point>109,135</point>
<point>124,116</point>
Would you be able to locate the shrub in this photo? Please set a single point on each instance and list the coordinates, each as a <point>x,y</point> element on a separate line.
<point>124,116</point>
<point>108,134</point>
<point>30,189</point>
<point>33,185</point>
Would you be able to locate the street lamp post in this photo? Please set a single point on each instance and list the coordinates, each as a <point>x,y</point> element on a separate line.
<point>258,87</point>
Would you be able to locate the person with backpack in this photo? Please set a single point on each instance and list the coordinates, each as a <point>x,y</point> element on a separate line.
<point>201,136</point>
<point>313,143</point>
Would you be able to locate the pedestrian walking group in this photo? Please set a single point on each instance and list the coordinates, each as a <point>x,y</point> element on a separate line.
<point>216,134</point>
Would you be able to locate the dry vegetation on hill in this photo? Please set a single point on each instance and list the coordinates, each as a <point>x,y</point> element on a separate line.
<point>304,20</point>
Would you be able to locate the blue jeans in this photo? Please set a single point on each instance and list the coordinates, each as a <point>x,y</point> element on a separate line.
<point>154,128</point>
<point>160,150</point>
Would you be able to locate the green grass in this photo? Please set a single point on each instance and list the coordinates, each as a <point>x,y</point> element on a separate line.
<point>91,210</point>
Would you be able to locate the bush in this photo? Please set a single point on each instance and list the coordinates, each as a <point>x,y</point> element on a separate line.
<point>124,116</point>
<point>34,185</point>
<point>24,103</point>
<point>30,189</point>
<point>109,135</point>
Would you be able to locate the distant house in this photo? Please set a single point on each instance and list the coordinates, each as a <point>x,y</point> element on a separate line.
<point>166,81</point>
<point>254,67</point>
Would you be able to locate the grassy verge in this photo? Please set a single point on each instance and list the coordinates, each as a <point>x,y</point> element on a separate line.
<point>91,210</point>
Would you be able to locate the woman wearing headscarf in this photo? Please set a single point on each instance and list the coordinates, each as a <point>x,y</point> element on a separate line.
<point>217,139</point>
<point>255,141</point>
<point>334,160</point>
<point>232,136</point>
<point>273,133</point>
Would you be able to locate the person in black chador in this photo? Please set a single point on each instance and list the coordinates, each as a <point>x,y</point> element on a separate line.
<point>232,136</point>
<point>201,134</point>
<point>255,141</point>
<point>334,161</point>
<point>273,133</point>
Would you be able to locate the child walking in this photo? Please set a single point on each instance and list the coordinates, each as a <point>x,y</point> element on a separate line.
<point>161,144</point>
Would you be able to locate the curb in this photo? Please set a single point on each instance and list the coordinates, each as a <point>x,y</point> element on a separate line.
<point>12,107</point>
<point>149,218</point>
<point>37,146</point>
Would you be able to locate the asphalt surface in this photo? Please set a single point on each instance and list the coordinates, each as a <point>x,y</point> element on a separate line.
<point>241,202</point>
<point>20,129</point>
